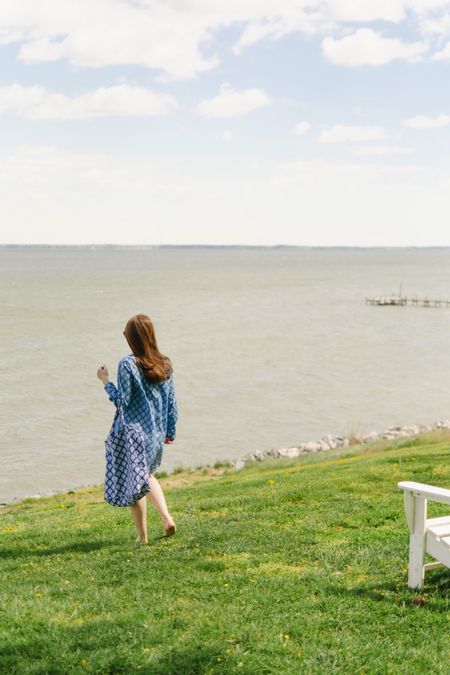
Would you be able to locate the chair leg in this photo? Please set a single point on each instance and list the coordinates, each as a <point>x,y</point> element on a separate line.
<point>416,571</point>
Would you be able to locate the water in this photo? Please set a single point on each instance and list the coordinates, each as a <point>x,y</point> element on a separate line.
<point>270,347</point>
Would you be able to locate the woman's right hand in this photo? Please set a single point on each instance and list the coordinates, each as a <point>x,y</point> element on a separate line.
<point>102,373</point>
<point>168,440</point>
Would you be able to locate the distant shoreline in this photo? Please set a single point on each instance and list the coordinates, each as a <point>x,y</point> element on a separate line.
<point>326,443</point>
<point>232,246</point>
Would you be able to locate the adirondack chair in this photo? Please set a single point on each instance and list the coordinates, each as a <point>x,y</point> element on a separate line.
<point>427,535</point>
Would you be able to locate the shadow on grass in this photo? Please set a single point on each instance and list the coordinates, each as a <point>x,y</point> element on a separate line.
<point>104,647</point>
<point>75,547</point>
<point>193,659</point>
<point>437,587</point>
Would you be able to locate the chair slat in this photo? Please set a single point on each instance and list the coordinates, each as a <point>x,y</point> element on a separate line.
<point>440,530</point>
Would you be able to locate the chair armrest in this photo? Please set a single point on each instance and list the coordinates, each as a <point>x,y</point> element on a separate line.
<point>434,494</point>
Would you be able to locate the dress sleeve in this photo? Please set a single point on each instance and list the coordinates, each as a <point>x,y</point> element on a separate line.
<point>121,393</point>
<point>172,413</point>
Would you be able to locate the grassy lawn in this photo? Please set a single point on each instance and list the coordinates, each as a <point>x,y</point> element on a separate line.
<point>294,566</point>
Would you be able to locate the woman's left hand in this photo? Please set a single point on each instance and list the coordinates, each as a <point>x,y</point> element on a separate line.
<point>168,440</point>
<point>102,373</point>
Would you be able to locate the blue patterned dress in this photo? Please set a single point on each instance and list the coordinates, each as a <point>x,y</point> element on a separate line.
<point>150,408</point>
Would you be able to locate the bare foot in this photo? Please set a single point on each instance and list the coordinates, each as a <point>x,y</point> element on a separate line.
<point>141,541</point>
<point>169,527</point>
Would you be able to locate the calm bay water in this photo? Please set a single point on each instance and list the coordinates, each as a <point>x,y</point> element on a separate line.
<point>270,347</point>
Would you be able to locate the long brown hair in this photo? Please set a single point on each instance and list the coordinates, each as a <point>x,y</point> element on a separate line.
<point>140,335</point>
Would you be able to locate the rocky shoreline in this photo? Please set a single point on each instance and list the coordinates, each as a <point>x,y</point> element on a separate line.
<point>325,443</point>
<point>329,442</point>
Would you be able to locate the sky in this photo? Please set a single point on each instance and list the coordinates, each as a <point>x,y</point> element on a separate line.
<point>301,122</point>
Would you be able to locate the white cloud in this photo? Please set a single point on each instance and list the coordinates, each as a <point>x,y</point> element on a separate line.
<point>442,54</point>
<point>231,103</point>
<point>121,100</point>
<point>367,10</point>
<point>36,167</point>
<point>102,198</point>
<point>307,21</point>
<point>343,133</point>
<point>177,38</point>
<point>425,122</point>
<point>437,26</point>
<point>318,16</point>
<point>366,47</point>
<point>227,136</point>
<point>381,150</point>
<point>99,33</point>
<point>50,194</point>
<point>367,203</point>
<point>302,128</point>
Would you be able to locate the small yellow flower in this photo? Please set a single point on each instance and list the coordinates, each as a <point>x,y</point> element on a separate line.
<point>286,637</point>
<point>85,663</point>
<point>38,595</point>
<point>8,529</point>
<point>271,482</point>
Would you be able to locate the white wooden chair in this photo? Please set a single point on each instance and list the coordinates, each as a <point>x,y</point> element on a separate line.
<point>427,535</point>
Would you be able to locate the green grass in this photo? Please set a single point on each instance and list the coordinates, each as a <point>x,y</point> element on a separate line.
<point>284,567</point>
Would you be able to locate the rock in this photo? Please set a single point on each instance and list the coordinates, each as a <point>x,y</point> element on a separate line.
<point>323,445</point>
<point>426,427</point>
<point>258,455</point>
<point>410,431</point>
<point>370,437</point>
<point>239,464</point>
<point>293,452</point>
<point>393,432</point>
<point>443,424</point>
<point>311,446</point>
<point>283,452</point>
<point>274,452</point>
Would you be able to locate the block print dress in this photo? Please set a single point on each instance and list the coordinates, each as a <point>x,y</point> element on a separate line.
<point>151,408</point>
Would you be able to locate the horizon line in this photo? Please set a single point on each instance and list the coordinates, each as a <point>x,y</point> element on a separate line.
<point>253,246</point>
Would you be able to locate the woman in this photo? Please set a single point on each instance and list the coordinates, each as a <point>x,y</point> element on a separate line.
<point>145,389</point>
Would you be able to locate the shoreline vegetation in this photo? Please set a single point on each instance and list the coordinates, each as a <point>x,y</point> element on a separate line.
<point>290,565</point>
<point>326,443</point>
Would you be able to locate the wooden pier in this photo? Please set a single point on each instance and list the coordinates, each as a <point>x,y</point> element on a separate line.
<point>403,301</point>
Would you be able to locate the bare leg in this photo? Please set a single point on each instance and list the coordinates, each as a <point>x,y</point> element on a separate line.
<point>139,513</point>
<point>156,496</point>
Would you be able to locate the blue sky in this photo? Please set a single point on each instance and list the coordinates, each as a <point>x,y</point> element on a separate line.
<point>302,122</point>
